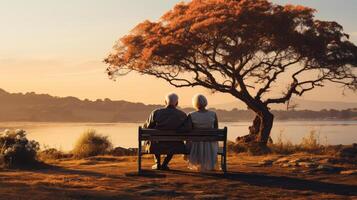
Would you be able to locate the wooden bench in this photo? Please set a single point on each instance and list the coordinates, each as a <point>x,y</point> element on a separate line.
<point>154,135</point>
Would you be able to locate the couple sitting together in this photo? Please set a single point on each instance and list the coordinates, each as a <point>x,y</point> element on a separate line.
<point>202,155</point>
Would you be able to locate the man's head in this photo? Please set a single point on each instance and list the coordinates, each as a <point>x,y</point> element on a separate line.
<point>171,99</point>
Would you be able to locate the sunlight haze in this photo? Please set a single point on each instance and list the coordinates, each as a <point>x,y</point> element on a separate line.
<point>57,47</point>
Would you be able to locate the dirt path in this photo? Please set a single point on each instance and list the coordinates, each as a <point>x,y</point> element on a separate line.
<point>116,178</point>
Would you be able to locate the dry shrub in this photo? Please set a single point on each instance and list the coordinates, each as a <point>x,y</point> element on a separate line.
<point>233,147</point>
<point>16,151</point>
<point>52,154</point>
<point>120,151</point>
<point>253,148</point>
<point>91,144</point>
<point>282,147</point>
<point>309,144</point>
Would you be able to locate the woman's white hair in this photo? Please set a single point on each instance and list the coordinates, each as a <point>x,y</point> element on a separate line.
<point>171,99</point>
<point>199,101</point>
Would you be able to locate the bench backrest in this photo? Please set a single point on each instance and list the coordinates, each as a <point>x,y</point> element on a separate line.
<point>193,135</point>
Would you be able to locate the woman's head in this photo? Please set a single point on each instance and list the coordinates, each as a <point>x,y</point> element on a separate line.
<point>199,102</point>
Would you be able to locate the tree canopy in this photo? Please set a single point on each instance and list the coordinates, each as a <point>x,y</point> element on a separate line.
<point>238,45</point>
<point>257,51</point>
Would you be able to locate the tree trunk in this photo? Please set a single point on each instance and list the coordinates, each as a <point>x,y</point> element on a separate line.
<point>260,130</point>
<point>266,125</point>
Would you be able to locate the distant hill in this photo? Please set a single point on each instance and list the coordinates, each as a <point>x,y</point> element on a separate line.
<point>301,105</point>
<point>45,108</point>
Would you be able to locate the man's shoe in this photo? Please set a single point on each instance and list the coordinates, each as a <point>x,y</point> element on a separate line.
<point>165,167</point>
<point>155,167</point>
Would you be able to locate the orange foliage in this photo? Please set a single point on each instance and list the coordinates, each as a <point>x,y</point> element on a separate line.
<point>228,36</point>
<point>240,47</point>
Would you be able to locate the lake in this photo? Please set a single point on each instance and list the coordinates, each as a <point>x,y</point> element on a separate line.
<point>64,135</point>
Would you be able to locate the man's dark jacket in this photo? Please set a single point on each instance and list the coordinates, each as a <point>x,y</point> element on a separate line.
<point>168,118</point>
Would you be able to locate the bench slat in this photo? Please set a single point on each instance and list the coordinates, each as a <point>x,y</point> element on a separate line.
<point>144,151</point>
<point>187,135</point>
<point>182,138</point>
<point>194,132</point>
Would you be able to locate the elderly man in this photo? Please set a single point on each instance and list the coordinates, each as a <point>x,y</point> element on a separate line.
<point>167,118</point>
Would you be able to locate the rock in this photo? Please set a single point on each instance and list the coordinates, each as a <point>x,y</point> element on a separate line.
<point>282,160</point>
<point>295,170</point>
<point>307,164</point>
<point>288,165</point>
<point>266,162</point>
<point>348,152</point>
<point>328,168</point>
<point>325,167</point>
<point>157,192</point>
<point>210,196</point>
<point>328,160</point>
<point>308,171</point>
<point>349,172</point>
<point>297,160</point>
<point>339,161</point>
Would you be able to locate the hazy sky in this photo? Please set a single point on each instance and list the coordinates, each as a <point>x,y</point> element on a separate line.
<point>57,47</point>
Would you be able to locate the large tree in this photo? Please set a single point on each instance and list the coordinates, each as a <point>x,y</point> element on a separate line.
<point>259,52</point>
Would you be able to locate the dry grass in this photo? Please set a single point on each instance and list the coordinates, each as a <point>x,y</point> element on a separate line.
<point>108,177</point>
<point>91,144</point>
<point>52,154</point>
<point>309,144</point>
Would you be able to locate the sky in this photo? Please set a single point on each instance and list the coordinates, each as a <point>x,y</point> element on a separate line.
<point>57,47</point>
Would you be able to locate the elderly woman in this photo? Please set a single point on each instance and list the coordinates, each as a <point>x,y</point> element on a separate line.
<point>203,155</point>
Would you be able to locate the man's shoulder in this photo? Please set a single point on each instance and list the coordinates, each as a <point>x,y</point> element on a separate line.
<point>156,111</point>
<point>168,110</point>
<point>161,110</point>
<point>181,112</point>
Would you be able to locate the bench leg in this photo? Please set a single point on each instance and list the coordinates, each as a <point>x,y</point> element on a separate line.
<point>224,156</point>
<point>225,164</point>
<point>139,157</point>
<point>158,161</point>
<point>139,163</point>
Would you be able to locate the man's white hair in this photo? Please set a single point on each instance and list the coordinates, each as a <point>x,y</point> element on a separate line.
<point>171,99</point>
<point>199,101</point>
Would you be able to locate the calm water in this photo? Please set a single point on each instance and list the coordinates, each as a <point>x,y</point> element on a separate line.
<point>64,135</point>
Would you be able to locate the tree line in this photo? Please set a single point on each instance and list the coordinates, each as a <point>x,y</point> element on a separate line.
<point>43,107</point>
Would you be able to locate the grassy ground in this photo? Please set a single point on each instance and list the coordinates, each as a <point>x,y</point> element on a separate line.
<point>108,177</point>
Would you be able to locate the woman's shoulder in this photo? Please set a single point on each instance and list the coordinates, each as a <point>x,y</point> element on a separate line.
<point>206,112</point>
<point>211,113</point>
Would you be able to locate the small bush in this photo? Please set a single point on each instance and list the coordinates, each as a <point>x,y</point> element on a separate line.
<point>52,154</point>
<point>91,144</point>
<point>233,147</point>
<point>282,147</point>
<point>312,142</point>
<point>309,144</point>
<point>120,151</point>
<point>252,148</point>
<point>16,150</point>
